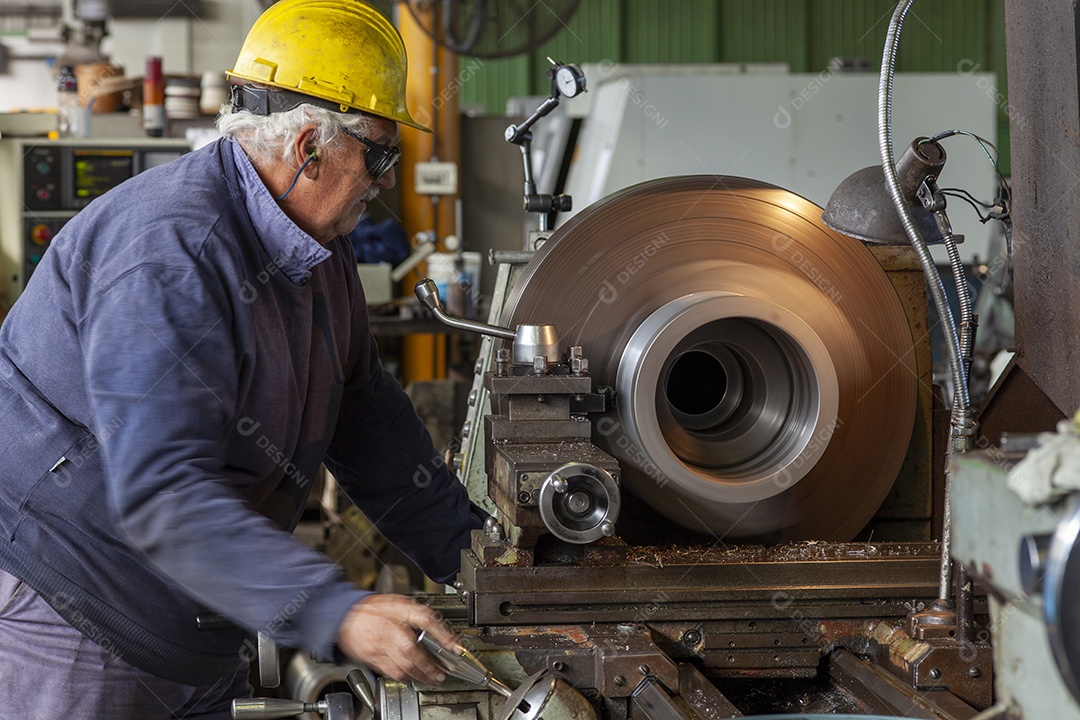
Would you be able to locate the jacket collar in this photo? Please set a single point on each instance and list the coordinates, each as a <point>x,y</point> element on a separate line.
<point>293,250</point>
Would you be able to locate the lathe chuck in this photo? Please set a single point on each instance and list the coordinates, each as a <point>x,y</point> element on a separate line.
<point>763,366</point>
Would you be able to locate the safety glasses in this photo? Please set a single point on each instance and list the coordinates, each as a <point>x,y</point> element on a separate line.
<point>379,158</point>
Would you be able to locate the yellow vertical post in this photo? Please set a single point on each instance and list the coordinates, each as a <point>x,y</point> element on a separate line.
<point>432,99</point>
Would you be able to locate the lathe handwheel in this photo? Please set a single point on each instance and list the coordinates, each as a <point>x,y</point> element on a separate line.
<point>579,503</point>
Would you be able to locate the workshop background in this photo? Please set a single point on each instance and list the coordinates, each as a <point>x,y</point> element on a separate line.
<point>799,563</point>
<point>803,34</point>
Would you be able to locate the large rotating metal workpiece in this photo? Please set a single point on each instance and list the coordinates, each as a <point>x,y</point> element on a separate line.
<point>763,366</point>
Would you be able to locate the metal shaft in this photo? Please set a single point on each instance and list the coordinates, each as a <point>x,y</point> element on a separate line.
<point>268,709</point>
<point>428,294</point>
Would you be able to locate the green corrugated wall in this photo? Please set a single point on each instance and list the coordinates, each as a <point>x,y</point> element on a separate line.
<point>802,33</point>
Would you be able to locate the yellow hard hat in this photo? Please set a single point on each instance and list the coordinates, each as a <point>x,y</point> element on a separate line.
<point>340,54</point>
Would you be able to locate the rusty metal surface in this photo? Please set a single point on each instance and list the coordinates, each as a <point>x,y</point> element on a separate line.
<point>850,580</point>
<point>806,551</point>
<point>707,702</point>
<point>1044,107</point>
<point>658,556</point>
<point>651,702</point>
<point>612,660</point>
<point>689,662</point>
<point>629,658</point>
<point>658,242</point>
<point>964,669</point>
<point>886,695</point>
<point>786,647</point>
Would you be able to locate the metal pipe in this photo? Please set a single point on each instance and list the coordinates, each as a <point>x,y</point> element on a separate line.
<point>512,257</point>
<point>945,572</point>
<point>965,607</point>
<point>409,264</point>
<point>526,155</point>
<point>424,355</point>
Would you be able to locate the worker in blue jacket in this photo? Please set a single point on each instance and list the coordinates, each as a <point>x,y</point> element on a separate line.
<point>191,348</point>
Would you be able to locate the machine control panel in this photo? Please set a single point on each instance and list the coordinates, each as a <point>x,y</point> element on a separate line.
<point>57,180</point>
<point>41,184</point>
<point>38,234</point>
<point>70,177</point>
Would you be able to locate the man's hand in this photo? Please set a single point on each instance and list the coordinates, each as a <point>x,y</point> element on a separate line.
<point>380,631</point>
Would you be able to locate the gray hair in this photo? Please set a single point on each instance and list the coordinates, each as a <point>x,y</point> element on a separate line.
<point>269,138</point>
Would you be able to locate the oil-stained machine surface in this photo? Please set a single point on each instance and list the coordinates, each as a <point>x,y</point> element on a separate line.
<point>751,375</point>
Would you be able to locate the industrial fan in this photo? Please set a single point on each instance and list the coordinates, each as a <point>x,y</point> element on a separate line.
<point>492,28</point>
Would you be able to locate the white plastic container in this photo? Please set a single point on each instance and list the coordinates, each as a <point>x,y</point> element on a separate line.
<point>215,92</point>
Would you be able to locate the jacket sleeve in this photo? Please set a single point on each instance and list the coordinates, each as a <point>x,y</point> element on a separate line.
<point>385,461</point>
<point>162,369</point>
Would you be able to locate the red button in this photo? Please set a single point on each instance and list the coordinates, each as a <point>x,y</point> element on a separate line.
<point>43,194</point>
<point>41,234</point>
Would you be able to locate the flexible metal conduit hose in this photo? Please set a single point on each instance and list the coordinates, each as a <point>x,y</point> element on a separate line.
<point>964,294</point>
<point>966,331</point>
<point>957,416</point>
<point>962,426</point>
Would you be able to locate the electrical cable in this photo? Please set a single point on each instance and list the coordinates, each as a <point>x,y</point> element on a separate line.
<point>1001,208</point>
<point>976,203</point>
<point>297,176</point>
<point>994,161</point>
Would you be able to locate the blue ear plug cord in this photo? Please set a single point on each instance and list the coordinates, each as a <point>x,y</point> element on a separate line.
<point>297,176</point>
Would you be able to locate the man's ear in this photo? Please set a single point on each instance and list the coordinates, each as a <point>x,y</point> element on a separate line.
<point>305,152</point>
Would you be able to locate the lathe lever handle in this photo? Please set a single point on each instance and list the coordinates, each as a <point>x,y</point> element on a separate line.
<point>458,662</point>
<point>269,708</point>
<point>453,661</point>
<point>428,294</point>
